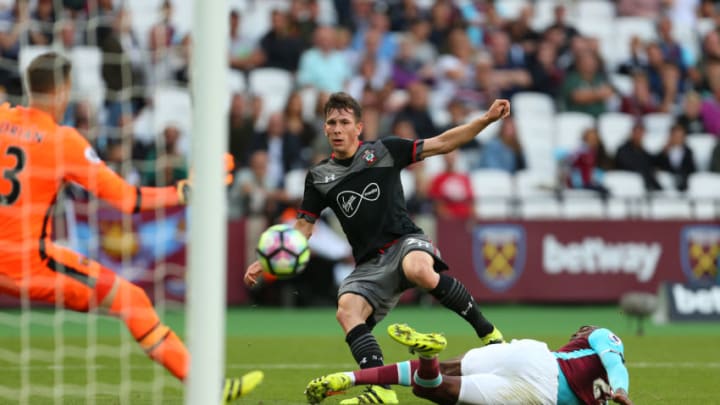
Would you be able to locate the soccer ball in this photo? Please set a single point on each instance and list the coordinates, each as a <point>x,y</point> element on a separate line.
<point>283,251</point>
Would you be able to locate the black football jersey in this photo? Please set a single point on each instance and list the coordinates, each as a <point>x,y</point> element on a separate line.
<point>365,193</point>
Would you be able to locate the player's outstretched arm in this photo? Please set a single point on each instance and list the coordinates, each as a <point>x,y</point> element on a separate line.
<point>455,137</point>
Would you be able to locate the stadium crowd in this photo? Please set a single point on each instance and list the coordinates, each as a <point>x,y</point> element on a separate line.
<point>598,86</point>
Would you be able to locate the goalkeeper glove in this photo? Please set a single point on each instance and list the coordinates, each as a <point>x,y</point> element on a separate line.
<point>183,187</point>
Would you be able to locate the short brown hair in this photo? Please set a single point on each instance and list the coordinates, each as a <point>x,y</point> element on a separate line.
<point>47,72</point>
<point>343,101</point>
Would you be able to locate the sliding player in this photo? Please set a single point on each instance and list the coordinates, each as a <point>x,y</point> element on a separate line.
<point>589,370</point>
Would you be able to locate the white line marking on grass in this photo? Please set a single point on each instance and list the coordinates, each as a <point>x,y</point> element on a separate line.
<point>672,364</point>
<point>317,366</point>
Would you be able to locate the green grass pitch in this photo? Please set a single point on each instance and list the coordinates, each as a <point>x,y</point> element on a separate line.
<point>671,364</point>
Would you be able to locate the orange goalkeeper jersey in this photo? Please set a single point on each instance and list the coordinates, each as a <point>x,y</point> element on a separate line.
<point>36,157</point>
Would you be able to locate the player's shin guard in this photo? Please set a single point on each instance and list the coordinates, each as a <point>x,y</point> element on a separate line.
<point>364,347</point>
<point>132,305</point>
<point>454,296</point>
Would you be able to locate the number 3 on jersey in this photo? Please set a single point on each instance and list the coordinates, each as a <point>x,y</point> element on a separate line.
<point>10,174</point>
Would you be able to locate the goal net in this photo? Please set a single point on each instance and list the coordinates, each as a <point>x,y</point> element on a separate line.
<point>131,100</point>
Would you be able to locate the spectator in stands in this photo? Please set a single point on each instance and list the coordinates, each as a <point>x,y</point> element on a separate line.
<point>303,18</point>
<point>453,71</point>
<point>561,33</point>
<point>710,109</point>
<point>641,101</point>
<point>164,164</point>
<point>406,67</point>
<point>367,76</point>
<point>43,19</point>
<point>425,51</point>
<point>123,69</point>
<point>119,158</point>
<point>587,89</point>
<point>296,123</point>
<point>371,49</point>
<point>443,18</point>
<point>281,47</point>
<point>243,53</point>
<point>663,76</point>
<point>384,44</point>
<point>417,111</point>
<point>281,146</point>
<point>677,158</point>
<point>589,163</point>
<point>709,65</point>
<point>162,34</point>
<point>510,73</point>
<point>640,8</point>
<point>521,32</point>
<point>690,118</point>
<point>322,66</point>
<point>403,13</point>
<point>14,30</point>
<point>451,191</point>
<point>254,192</point>
<point>673,52</point>
<point>504,151</point>
<point>545,74</point>
<point>715,158</point>
<point>633,157</point>
<point>241,127</point>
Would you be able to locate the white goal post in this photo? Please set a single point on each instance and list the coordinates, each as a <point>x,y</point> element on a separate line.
<point>208,231</point>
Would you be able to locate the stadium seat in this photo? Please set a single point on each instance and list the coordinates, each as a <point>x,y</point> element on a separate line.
<point>624,184</point>
<point>543,15</point>
<point>273,86</point>
<point>309,96</point>
<point>236,81</point>
<point>295,183</point>
<point>622,83</point>
<point>627,194</point>
<point>670,208</point>
<point>172,106</point>
<point>704,185</point>
<point>532,103</point>
<point>407,178</point>
<point>87,75</point>
<point>534,183</point>
<point>580,207</point>
<point>28,53</point>
<point>569,127</point>
<point>603,31</point>
<point>658,122</point>
<point>535,133</point>
<point>326,13</point>
<point>668,183</point>
<point>492,190</point>
<point>702,146</point>
<point>145,13</point>
<point>614,129</point>
<point>654,142</point>
<point>627,27</point>
<point>539,208</point>
<point>594,10</point>
<point>510,9</point>
<point>433,165</point>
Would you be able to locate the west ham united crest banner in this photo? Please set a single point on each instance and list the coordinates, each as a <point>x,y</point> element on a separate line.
<point>578,261</point>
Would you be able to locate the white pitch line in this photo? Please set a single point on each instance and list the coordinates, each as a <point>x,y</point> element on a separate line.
<point>333,366</point>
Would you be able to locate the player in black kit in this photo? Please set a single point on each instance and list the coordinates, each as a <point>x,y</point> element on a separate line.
<point>360,182</point>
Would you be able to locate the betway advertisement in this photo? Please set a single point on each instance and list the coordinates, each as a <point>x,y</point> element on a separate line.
<point>578,261</point>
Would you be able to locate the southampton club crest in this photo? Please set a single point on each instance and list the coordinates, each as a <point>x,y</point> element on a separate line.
<point>369,157</point>
<point>700,254</point>
<point>499,255</point>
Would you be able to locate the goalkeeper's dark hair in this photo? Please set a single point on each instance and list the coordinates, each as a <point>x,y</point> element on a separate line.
<point>47,72</point>
<point>343,101</point>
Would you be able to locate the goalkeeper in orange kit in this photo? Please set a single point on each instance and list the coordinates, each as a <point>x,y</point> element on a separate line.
<point>37,156</point>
